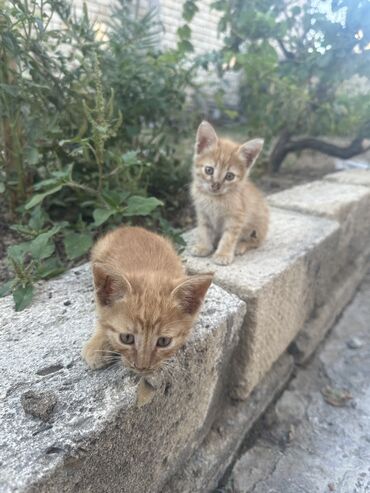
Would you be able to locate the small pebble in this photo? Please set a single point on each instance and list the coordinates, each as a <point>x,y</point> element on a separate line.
<point>354,343</point>
<point>67,303</point>
<point>39,404</point>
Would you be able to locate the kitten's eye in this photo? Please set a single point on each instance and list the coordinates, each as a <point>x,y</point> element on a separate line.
<point>209,170</point>
<point>164,341</point>
<point>128,339</point>
<point>229,176</point>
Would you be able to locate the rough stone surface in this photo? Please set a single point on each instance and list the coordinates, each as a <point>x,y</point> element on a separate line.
<point>348,204</point>
<point>343,288</point>
<point>321,198</point>
<point>354,177</point>
<point>39,404</point>
<point>97,439</point>
<point>210,461</point>
<point>327,448</point>
<point>283,282</point>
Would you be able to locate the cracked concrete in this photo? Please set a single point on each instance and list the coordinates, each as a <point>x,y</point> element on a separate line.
<point>316,439</point>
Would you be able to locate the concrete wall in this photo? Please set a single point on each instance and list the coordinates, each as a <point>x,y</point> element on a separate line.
<point>66,428</point>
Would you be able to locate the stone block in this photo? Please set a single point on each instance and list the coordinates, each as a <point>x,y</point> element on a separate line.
<point>351,177</point>
<point>203,472</point>
<point>84,431</point>
<point>348,204</point>
<point>283,283</point>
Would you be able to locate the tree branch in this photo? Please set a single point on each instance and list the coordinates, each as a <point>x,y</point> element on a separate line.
<point>357,146</point>
<point>284,146</point>
<point>289,55</point>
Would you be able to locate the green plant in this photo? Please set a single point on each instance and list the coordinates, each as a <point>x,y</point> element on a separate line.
<point>295,59</point>
<point>91,125</point>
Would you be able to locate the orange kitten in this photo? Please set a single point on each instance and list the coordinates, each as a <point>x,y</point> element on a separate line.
<point>146,305</point>
<point>232,214</point>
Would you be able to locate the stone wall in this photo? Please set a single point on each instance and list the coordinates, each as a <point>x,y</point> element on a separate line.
<point>66,428</point>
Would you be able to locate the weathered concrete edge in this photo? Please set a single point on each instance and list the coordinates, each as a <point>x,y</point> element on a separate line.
<point>315,329</point>
<point>209,463</point>
<point>82,449</point>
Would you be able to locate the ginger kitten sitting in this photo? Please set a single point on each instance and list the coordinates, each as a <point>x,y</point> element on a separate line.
<point>145,303</point>
<point>232,214</point>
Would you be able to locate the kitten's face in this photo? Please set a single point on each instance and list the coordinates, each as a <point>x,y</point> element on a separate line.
<point>221,166</point>
<point>147,324</point>
<point>218,172</point>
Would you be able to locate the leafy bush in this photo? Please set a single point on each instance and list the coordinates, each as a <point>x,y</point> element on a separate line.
<point>294,60</point>
<point>86,125</point>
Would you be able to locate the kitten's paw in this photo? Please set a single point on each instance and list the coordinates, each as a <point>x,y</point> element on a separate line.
<point>201,250</point>
<point>223,259</point>
<point>93,357</point>
<point>241,248</point>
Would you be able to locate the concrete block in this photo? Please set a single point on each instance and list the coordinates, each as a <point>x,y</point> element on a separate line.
<point>352,177</point>
<point>348,204</point>
<point>92,437</point>
<point>344,287</point>
<point>283,283</point>
<point>210,461</point>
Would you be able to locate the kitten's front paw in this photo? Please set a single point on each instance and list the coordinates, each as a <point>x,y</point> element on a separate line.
<point>241,248</point>
<point>93,357</point>
<point>201,250</point>
<point>223,259</point>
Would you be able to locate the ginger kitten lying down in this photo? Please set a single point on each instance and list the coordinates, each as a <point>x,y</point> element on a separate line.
<point>232,214</point>
<point>146,305</point>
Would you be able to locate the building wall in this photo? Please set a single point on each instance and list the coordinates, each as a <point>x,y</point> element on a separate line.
<point>205,37</point>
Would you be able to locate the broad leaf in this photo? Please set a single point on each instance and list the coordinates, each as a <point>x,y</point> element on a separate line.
<point>42,247</point>
<point>39,197</point>
<point>141,206</point>
<point>102,215</point>
<point>23,297</point>
<point>6,288</point>
<point>50,268</point>
<point>77,244</point>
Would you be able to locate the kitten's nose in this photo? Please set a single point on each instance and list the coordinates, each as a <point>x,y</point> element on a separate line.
<point>216,186</point>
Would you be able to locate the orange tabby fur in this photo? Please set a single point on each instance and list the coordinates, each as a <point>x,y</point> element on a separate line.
<point>141,291</point>
<point>232,215</point>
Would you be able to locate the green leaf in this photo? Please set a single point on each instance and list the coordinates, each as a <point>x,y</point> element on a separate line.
<point>41,247</point>
<point>38,219</point>
<point>102,215</point>
<point>50,268</point>
<point>185,46</point>
<point>33,156</point>
<point>141,206</point>
<point>39,197</point>
<point>2,187</point>
<point>17,251</point>
<point>184,32</point>
<point>189,9</point>
<point>77,244</point>
<point>6,288</point>
<point>22,297</point>
<point>130,158</point>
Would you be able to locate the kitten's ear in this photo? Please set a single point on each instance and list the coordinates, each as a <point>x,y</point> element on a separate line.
<point>250,151</point>
<point>109,286</point>
<point>206,138</point>
<point>191,292</point>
